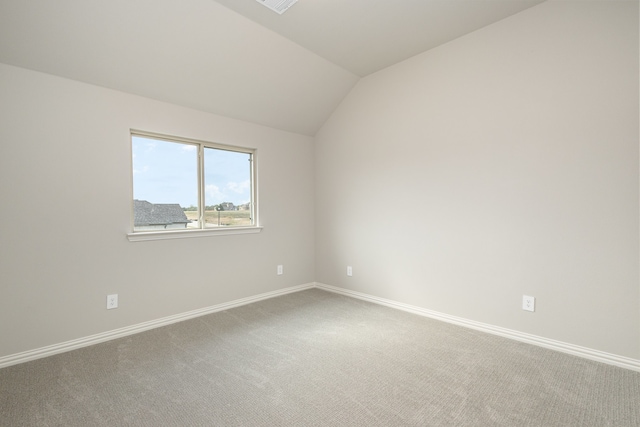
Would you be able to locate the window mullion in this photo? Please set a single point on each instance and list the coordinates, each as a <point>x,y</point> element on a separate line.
<point>201,201</point>
<point>252,201</point>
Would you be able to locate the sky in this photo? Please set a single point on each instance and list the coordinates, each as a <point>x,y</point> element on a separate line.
<point>166,172</point>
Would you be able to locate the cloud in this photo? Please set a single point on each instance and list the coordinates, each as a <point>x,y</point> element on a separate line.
<point>239,187</point>
<point>189,148</point>
<point>213,194</point>
<point>233,192</point>
<point>149,146</point>
<point>143,170</point>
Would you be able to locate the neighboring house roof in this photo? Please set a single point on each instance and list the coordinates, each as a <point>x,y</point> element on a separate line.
<point>145,213</point>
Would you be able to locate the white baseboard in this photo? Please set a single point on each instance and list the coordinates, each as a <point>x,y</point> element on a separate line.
<point>587,353</point>
<point>38,353</point>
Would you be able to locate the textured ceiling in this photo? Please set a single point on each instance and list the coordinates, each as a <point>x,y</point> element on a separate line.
<point>234,57</point>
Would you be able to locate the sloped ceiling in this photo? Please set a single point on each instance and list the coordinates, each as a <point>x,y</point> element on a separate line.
<point>365,36</point>
<point>234,57</point>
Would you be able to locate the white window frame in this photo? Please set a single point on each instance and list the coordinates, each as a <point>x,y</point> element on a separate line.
<point>136,236</point>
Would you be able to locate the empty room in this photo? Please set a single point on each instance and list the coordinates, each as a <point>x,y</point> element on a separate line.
<point>319,213</point>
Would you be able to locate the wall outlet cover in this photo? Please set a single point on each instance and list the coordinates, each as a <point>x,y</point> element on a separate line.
<point>528,303</point>
<point>112,301</point>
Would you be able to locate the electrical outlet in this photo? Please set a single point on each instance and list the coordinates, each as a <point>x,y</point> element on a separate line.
<point>112,301</point>
<point>349,271</point>
<point>528,303</point>
<point>280,270</point>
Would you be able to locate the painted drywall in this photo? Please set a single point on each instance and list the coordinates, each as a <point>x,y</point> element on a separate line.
<point>65,187</point>
<point>200,55</point>
<point>501,164</point>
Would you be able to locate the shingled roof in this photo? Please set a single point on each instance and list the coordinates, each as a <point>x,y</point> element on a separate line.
<point>146,213</point>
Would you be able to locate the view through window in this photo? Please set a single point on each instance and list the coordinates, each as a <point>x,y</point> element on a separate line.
<point>186,184</point>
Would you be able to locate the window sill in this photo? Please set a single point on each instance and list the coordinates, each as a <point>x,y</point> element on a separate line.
<point>186,234</point>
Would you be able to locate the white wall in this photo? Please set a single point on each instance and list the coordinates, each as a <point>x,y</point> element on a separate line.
<point>65,191</point>
<point>500,164</point>
<point>200,55</point>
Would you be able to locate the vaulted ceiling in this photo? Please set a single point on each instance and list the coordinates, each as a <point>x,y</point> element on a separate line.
<point>235,57</point>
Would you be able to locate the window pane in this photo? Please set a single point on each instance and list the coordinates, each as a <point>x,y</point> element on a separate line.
<point>227,188</point>
<point>165,184</point>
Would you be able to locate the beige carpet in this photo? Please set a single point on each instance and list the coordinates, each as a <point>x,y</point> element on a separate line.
<point>314,358</point>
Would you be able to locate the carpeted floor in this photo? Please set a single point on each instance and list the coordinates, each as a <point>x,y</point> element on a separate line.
<point>315,358</point>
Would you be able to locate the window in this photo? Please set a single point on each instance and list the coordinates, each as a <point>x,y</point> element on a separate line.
<point>187,185</point>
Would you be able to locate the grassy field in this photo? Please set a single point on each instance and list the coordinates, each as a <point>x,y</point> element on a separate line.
<point>227,218</point>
